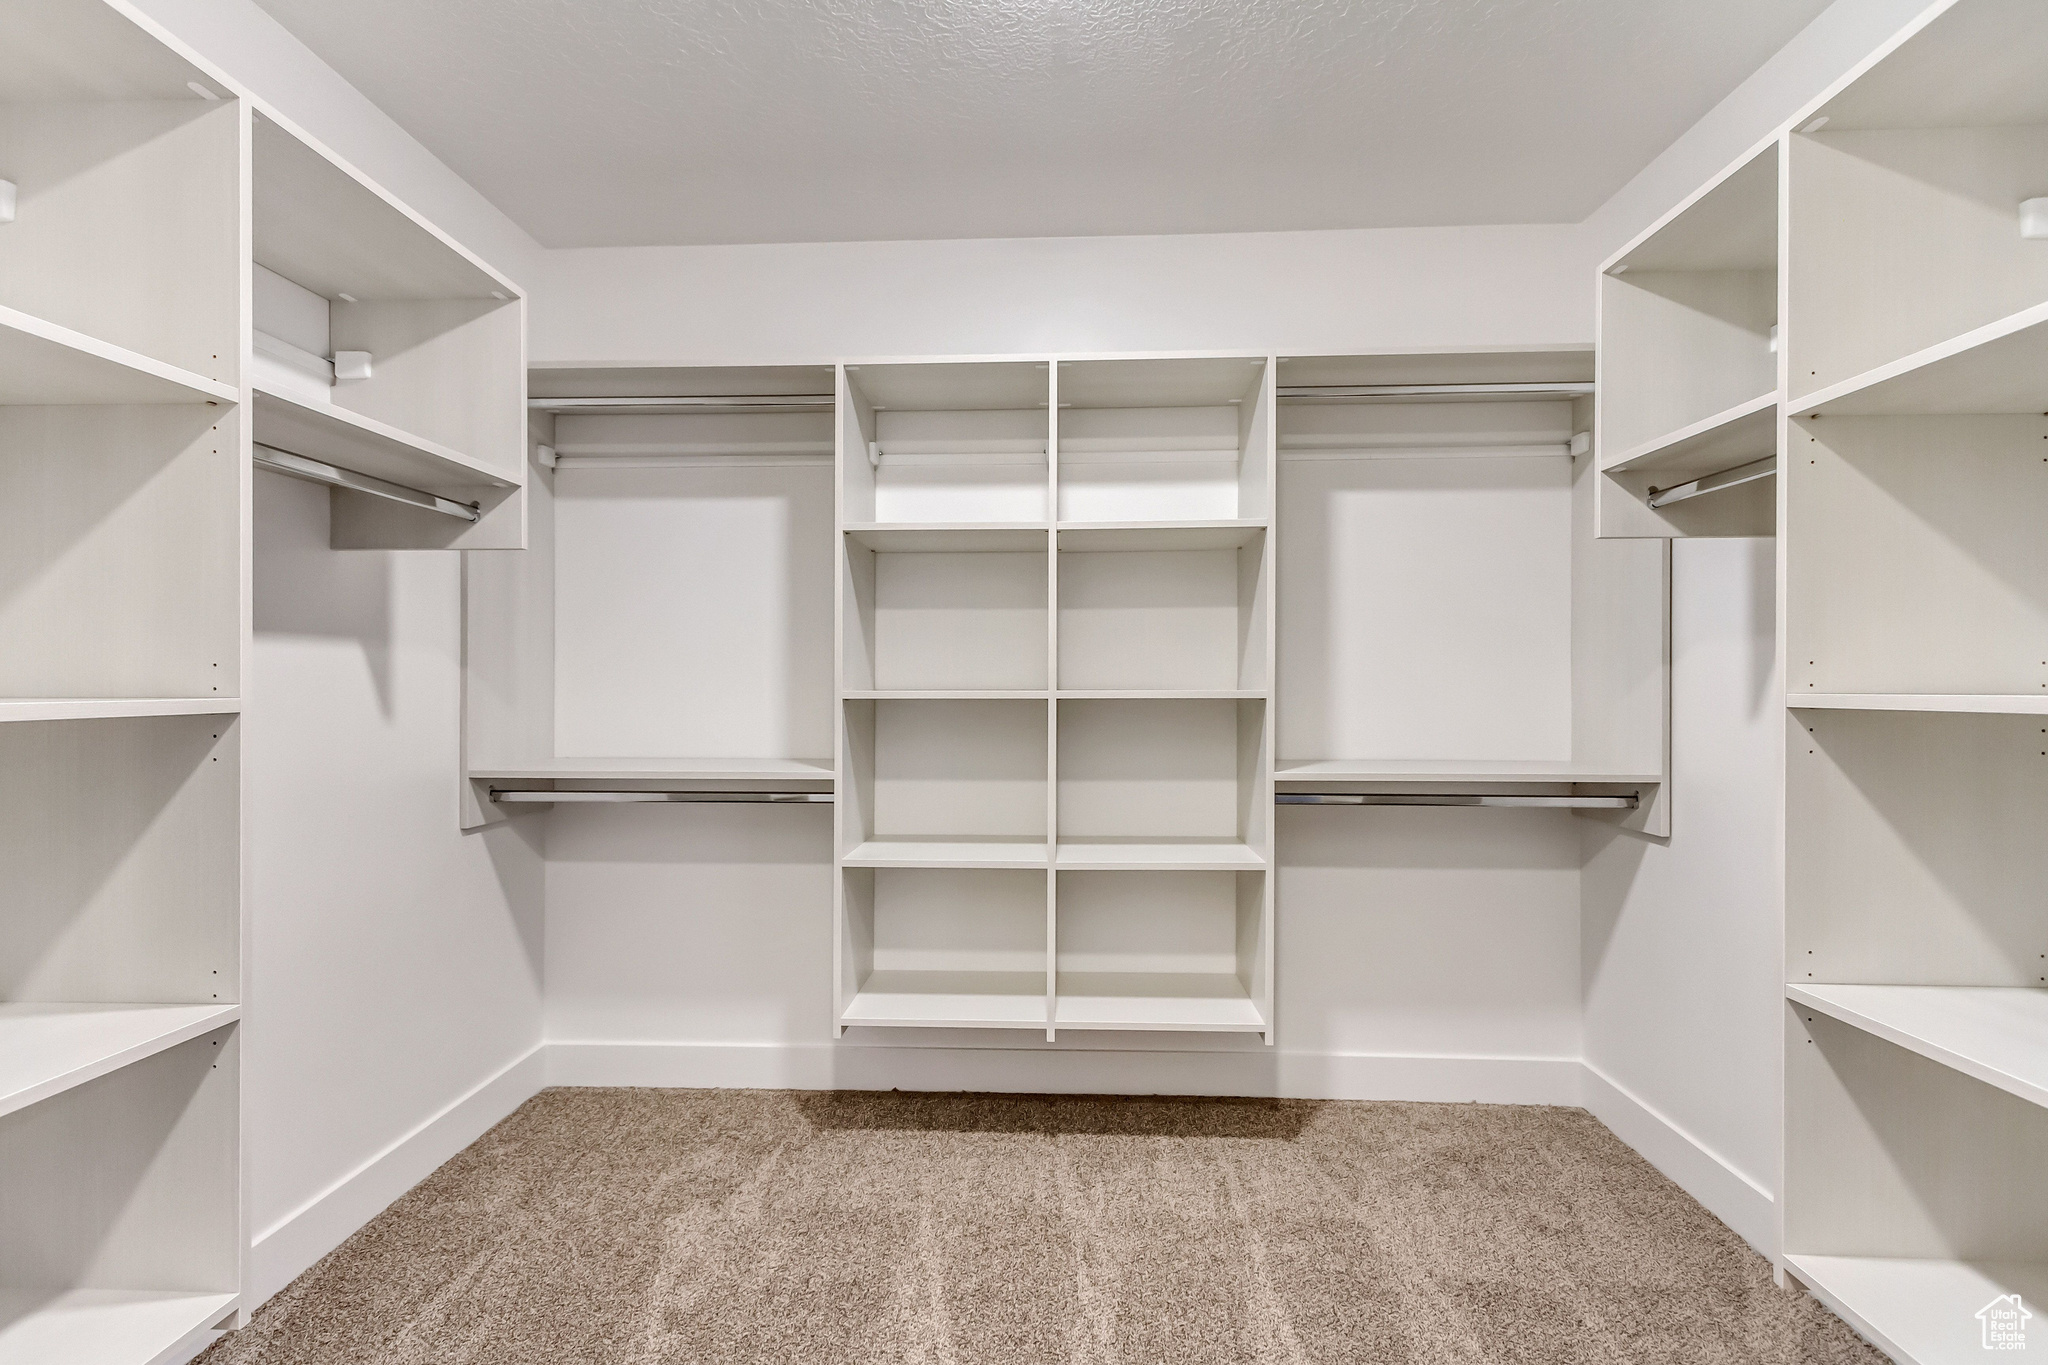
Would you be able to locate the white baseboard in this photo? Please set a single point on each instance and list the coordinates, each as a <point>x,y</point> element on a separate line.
<point>284,1250</point>
<point>1725,1192</point>
<point>1107,1071</point>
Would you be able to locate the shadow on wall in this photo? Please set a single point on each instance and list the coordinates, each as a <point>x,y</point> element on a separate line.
<point>304,588</point>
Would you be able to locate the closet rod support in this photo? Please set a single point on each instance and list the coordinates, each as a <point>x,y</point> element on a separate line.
<point>1714,483</point>
<point>318,471</point>
<point>1435,393</point>
<point>541,796</point>
<point>1489,799</point>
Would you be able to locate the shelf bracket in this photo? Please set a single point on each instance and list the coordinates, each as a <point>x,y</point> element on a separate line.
<point>1714,483</point>
<point>317,471</point>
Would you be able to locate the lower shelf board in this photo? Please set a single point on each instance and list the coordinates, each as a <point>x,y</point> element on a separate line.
<point>103,1326</point>
<point>1922,1312</point>
<point>949,1000</point>
<point>1180,1001</point>
<point>46,1049</point>
<point>1129,855</point>
<point>949,853</point>
<point>1997,1034</point>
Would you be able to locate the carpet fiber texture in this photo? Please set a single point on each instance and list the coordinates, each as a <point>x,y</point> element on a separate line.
<point>698,1226</point>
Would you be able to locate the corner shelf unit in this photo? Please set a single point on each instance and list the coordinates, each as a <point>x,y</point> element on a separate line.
<point>124,508</point>
<point>1686,427</point>
<point>1056,624</point>
<point>1905,418</point>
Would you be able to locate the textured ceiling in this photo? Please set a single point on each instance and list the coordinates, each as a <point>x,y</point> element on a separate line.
<point>623,122</point>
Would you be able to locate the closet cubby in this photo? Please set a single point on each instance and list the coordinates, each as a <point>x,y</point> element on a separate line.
<point>958,947</point>
<point>121,1208</point>
<point>118,274</point>
<point>1164,610</point>
<point>342,271</point>
<point>120,544</point>
<point>922,618</point>
<point>1165,440</point>
<point>1181,950</point>
<point>1163,783</point>
<point>1449,621</point>
<point>1913,175</point>
<point>938,783</point>
<point>1688,374</point>
<point>672,624</point>
<point>1916,1196</point>
<point>1917,567</point>
<point>946,443</point>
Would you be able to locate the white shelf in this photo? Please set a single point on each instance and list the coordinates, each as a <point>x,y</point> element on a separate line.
<point>1744,433</point>
<point>1163,694</point>
<point>1100,536</point>
<point>1434,770</point>
<point>947,694</point>
<point>1997,1034</point>
<point>949,853</point>
<point>45,1049</point>
<point>1213,1002</point>
<point>950,1000</point>
<point>113,708</point>
<point>1140,855</point>
<point>105,1326</point>
<point>44,364</point>
<point>659,770</point>
<point>1920,1312</point>
<point>1958,703</point>
<point>340,437</point>
<point>1999,368</point>
<point>950,537</point>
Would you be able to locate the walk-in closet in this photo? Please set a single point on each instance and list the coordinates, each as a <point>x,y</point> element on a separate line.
<point>995,684</point>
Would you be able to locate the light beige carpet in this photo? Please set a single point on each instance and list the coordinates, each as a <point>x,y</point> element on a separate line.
<point>701,1227</point>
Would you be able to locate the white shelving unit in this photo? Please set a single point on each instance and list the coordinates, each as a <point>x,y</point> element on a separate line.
<point>123,516</point>
<point>1056,636</point>
<point>1901,409</point>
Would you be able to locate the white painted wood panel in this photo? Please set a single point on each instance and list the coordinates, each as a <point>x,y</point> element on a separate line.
<point>1996,1035</point>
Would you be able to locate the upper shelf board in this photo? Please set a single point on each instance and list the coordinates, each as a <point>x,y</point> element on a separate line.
<point>80,51</point>
<point>42,363</point>
<point>1535,365</point>
<point>1745,432</point>
<point>1967,64</point>
<point>658,770</point>
<point>1967,703</point>
<point>677,381</point>
<point>1730,224</point>
<point>1182,382</point>
<point>1999,368</point>
<point>950,537</point>
<point>322,224</point>
<point>1996,1034</point>
<point>363,444</point>
<point>957,386</point>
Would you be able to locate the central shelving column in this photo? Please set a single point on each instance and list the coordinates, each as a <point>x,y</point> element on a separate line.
<point>1056,636</point>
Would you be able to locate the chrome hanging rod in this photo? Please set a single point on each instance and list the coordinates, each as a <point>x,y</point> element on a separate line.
<point>1503,799</point>
<point>683,403</point>
<point>1714,483</point>
<point>538,795</point>
<point>1432,393</point>
<point>318,471</point>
